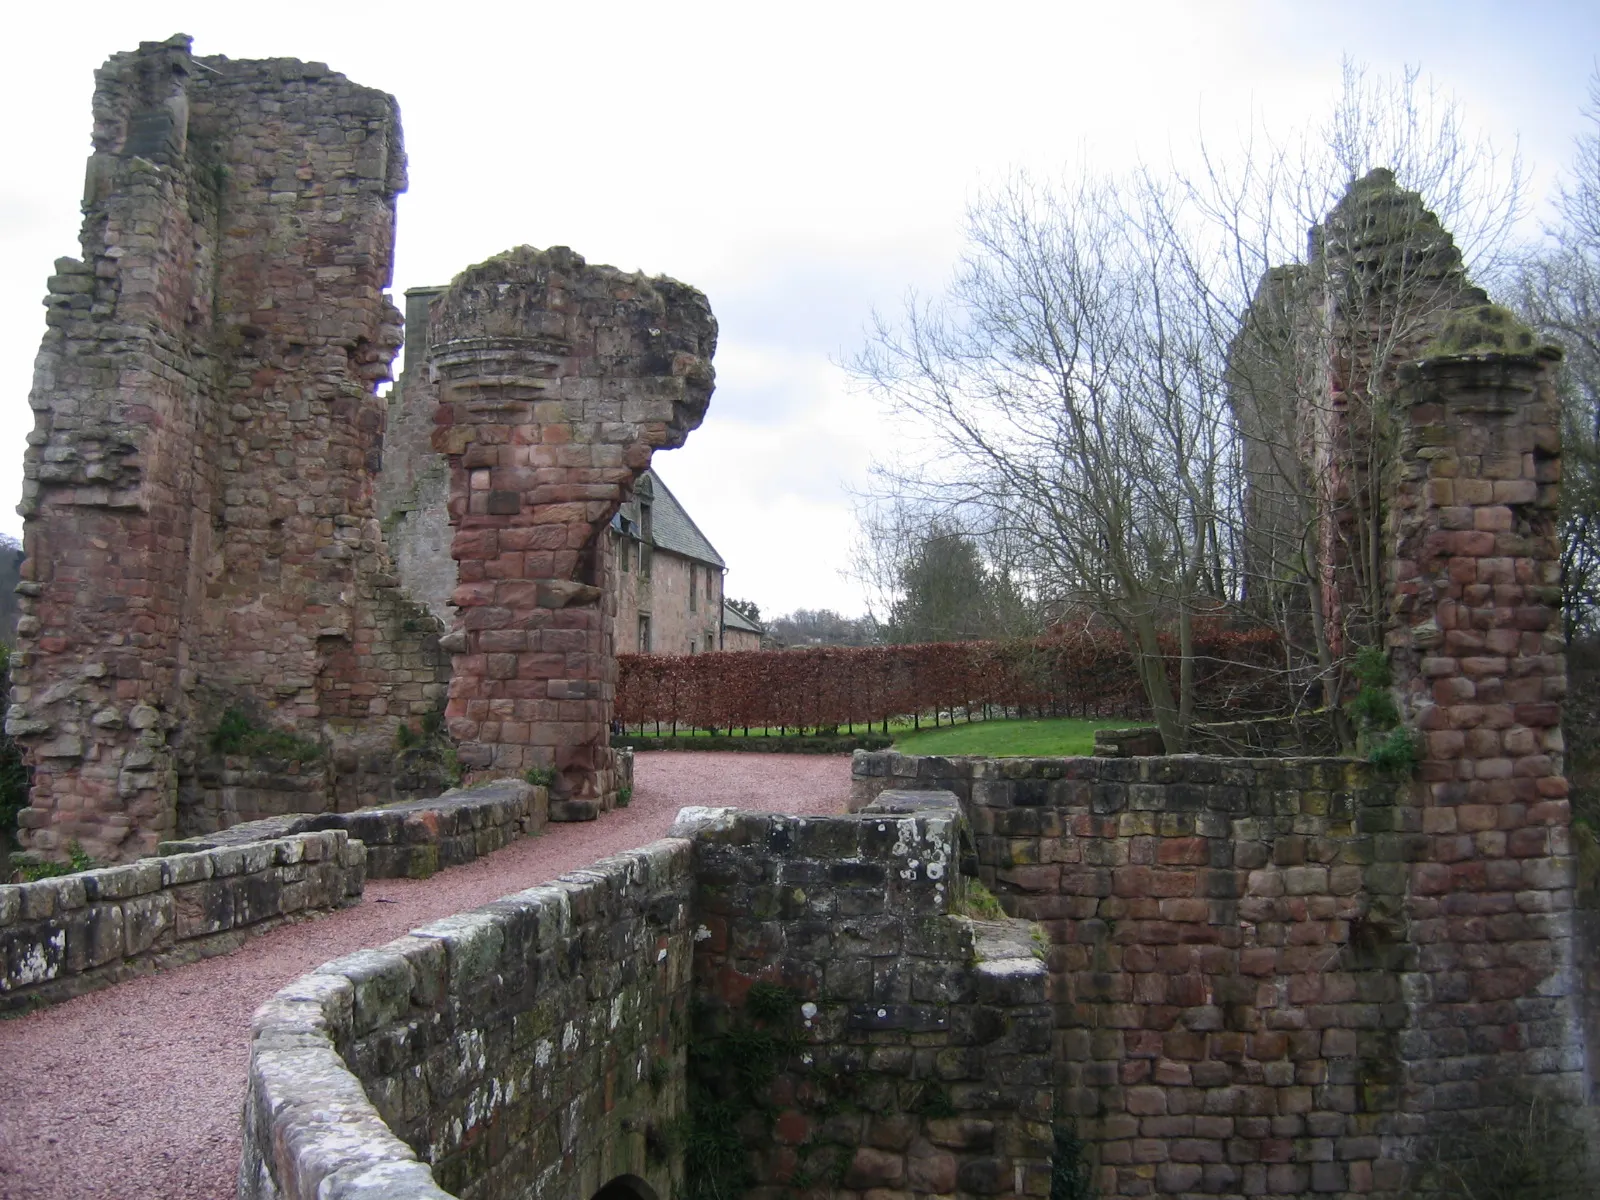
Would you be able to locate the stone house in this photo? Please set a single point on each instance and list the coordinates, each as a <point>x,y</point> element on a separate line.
<point>739,632</point>
<point>668,579</point>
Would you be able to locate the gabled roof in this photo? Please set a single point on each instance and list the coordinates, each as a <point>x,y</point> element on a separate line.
<point>672,529</point>
<point>732,618</point>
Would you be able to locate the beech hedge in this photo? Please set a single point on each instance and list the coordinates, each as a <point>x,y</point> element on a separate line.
<point>1079,673</point>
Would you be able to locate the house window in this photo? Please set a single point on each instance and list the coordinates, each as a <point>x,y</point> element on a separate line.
<point>622,552</point>
<point>711,639</point>
<point>691,646</point>
<point>644,635</point>
<point>694,584</point>
<point>646,536</point>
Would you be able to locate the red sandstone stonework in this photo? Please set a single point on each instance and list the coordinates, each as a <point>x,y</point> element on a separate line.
<point>1475,636</point>
<point>199,522</point>
<point>557,381</point>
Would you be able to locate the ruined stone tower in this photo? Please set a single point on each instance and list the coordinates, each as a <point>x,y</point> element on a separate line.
<point>552,383</point>
<point>199,521</point>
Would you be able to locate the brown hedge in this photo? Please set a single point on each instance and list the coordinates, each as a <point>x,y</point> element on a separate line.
<point>1068,673</point>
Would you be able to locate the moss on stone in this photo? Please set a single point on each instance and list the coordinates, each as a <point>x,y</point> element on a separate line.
<point>1482,329</point>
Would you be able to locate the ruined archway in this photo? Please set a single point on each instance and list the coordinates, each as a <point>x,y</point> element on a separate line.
<point>626,1187</point>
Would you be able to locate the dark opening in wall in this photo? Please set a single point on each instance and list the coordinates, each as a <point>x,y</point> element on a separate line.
<point>626,1187</point>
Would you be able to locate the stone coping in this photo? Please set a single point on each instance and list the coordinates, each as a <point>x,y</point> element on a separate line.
<point>65,936</point>
<point>309,1128</point>
<point>412,839</point>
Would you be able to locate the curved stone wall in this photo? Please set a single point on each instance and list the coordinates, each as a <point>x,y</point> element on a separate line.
<point>543,1046</point>
<point>532,1045</point>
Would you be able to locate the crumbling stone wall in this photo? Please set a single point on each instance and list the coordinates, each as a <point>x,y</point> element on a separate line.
<point>414,488</point>
<point>923,1038</point>
<point>1226,959</point>
<point>1268,977</point>
<point>556,382</point>
<point>198,516</point>
<point>542,1044</point>
<point>535,1045</point>
<point>1475,636</point>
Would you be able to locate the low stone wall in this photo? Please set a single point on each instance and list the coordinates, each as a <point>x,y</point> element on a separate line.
<point>413,839</point>
<point>921,1040</point>
<point>1266,981</point>
<point>65,936</point>
<point>533,1045</point>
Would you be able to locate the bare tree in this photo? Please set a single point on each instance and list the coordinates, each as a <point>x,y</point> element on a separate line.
<point>1071,393</point>
<point>1560,295</point>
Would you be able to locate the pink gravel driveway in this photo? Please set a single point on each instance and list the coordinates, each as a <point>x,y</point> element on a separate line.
<point>136,1090</point>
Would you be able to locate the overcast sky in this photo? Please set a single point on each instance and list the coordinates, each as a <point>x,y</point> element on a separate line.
<point>800,164</point>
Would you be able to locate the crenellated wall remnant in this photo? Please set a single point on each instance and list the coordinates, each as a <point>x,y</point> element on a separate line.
<point>556,381</point>
<point>199,521</point>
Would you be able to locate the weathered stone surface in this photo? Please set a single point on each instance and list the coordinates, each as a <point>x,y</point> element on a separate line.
<point>63,937</point>
<point>1256,958</point>
<point>198,518</point>
<point>412,839</point>
<point>537,1041</point>
<point>923,1019</point>
<point>555,382</point>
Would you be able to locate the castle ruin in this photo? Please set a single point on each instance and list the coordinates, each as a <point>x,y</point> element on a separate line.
<point>213,628</point>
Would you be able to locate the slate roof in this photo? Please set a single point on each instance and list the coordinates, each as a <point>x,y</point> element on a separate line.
<point>732,618</point>
<point>672,528</point>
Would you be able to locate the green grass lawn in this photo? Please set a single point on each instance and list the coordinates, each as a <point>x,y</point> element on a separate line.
<point>1053,737</point>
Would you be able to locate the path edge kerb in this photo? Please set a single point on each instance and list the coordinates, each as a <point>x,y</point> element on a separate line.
<point>309,1130</point>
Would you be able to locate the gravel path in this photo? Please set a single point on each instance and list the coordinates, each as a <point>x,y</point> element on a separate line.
<point>136,1090</point>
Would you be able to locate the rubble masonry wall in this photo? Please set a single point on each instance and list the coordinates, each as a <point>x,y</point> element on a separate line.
<point>198,515</point>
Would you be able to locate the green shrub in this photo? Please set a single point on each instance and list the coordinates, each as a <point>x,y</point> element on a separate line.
<point>1389,746</point>
<point>540,776</point>
<point>1070,1176</point>
<point>978,901</point>
<point>236,733</point>
<point>624,797</point>
<point>77,860</point>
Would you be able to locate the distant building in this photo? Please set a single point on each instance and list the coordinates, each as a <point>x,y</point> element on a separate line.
<point>669,580</point>
<point>739,632</point>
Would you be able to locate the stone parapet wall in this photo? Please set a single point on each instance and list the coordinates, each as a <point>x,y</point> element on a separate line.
<point>414,839</point>
<point>920,1060</point>
<point>531,1045</point>
<point>1250,969</point>
<point>63,937</point>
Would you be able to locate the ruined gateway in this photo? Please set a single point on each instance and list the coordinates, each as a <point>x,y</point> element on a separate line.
<point>1252,977</point>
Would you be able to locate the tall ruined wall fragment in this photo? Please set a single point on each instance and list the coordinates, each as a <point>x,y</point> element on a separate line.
<point>199,523</point>
<point>1313,379</point>
<point>556,381</point>
<point>1475,635</point>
